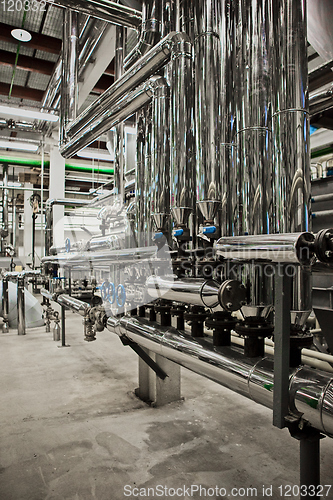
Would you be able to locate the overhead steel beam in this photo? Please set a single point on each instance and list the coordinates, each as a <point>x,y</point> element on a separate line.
<point>38,41</point>
<point>28,63</point>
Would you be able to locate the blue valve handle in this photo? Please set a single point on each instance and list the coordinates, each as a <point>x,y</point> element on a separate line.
<point>120,295</point>
<point>68,245</point>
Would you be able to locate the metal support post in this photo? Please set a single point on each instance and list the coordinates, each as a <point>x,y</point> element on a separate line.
<point>20,306</point>
<point>281,347</point>
<point>310,465</point>
<point>63,326</point>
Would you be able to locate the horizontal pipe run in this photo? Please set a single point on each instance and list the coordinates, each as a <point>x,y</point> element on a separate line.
<point>322,197</point>
<point>321,101</point>
<point>284,248</point>
<point>125,108</point>
<point>322,213</point>
<point>143,69</point>
<point>75,305</point>
<point>104,9</point>
<point>197,292</point>
<point>47,294</point>
<point>311,391</point>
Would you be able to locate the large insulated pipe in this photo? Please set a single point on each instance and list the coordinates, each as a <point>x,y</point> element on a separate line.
<point>321,101</point>
<point>106,10</point>
<point>291,133</point>
<point>147,66</point>
<point>120,111</point>
<point>69,83</point>
<point>119,160</point>
<point>160,158</point>
<point>207,48</point>
<point>310,391</point>
<point>182,131</point>
<point>75,305</point>
<point>95,33</point>
<point>150,31</point>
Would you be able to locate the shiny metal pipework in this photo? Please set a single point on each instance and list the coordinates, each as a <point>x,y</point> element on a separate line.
<point>119,112</point>
<point>95,32</point>
<point>289,248</point>
<point>291,117</point>
<point>321,101</point>
<point>20,306</point>
<point>106,10</point>
<point>119,159</point>
<point>4,229</point>
<point>147,66</point>
<point>53,86</point>
<point>186,17</point>
<point>49,216</point>
<point>169,17</point>
<point>207,49</point>
<point>291,131</point>
<point>197,292</point>
<point>69,82</point>
<point>310,391</point>
<point>160,158</point>
<point>5,305</point>
<point>150,32</point>
<point>182,131</point>
<point>47,294</point>
<point>147,176</point>
<point>139,177</point>
<point>75,305</point>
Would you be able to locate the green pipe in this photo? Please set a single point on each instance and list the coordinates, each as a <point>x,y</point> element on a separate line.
<point>322,152</point>
<point>68,166</point>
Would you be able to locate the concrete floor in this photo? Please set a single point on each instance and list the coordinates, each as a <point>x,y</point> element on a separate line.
<point>72,428</point>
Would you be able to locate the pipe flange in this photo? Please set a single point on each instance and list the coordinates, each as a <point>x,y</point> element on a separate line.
<point>221,320</point>
<point>302,340</point>
<point>195,316</point>
<point>324,245</point>
<point>254,327</point>
<point>232,295</point>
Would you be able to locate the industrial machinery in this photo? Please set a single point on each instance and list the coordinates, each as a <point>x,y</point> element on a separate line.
<point>218,239</point>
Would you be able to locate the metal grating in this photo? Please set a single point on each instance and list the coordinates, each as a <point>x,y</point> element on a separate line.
<point>40,54</point>
<point>20,76</point>
<point>32,20</point>
<point>37,81</point>
<point>53,22</point>
<point>12,47</point>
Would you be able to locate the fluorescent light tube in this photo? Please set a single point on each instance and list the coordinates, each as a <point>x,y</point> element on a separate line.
<point>21,146</point>
<point>95,154</point>
<point>28,113</point>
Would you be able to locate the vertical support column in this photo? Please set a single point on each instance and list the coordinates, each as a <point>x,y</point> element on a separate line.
<point>119,158</point>
<point>310,465</point>
<point>281,347</point>
<point>20,306</point>
<point>57,190</point>
<point>4,231</point>
<point>63,326</point>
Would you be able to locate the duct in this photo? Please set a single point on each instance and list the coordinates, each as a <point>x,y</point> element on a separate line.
<point>208,107</point>
<point>150,32</point>
<point>182,131</point>
<point>106,10</point>
<point>119,159</point>
<point>160,156</point>
<point>119,112</point>
<point>290,248</point>
<point>53,86</point>
<point>95,33</point>
<point>75,305</point>
<point>49,217</point>
<point>69,91</point>
<point>310,391</point>
<point>147,66</point>
<point>321,101</point>
<point>196,292</point>
<point>33,310</point>
<point>4,229</point>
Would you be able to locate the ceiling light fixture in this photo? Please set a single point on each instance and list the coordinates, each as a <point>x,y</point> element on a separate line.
<point>21,35</point>
<point>20,146</point>
<point>95,154</point>
<point>28,113</point>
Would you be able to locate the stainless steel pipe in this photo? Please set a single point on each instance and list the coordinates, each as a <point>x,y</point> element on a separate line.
<point>197,292</point>
<point>75,305</point>
<point>20,306</point>
<point>69,82</point>
<point>4,230</point>
<point>47,294</point>
<point>119,156</point>
<point>310,392</point>
<point>150,31</point>
<point>106,10</point>
<point>321,101</point>
<point>5,305</point>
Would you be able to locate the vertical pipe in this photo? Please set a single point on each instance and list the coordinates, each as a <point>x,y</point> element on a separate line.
<point>147,182</point>
<point>20,306</point>
<point>182,135</point>
<point>208,107</point>
<point>5,305</point>
<point>139,177</point>
<point>63,326</point>
<point>310,465</point>
<point>4,231</point>
<point>15,226</point>
<point>160,147</point>
<point>42,201</point>
<point>119,136</point>
<point>291,133</point>
<point>69,83</point>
